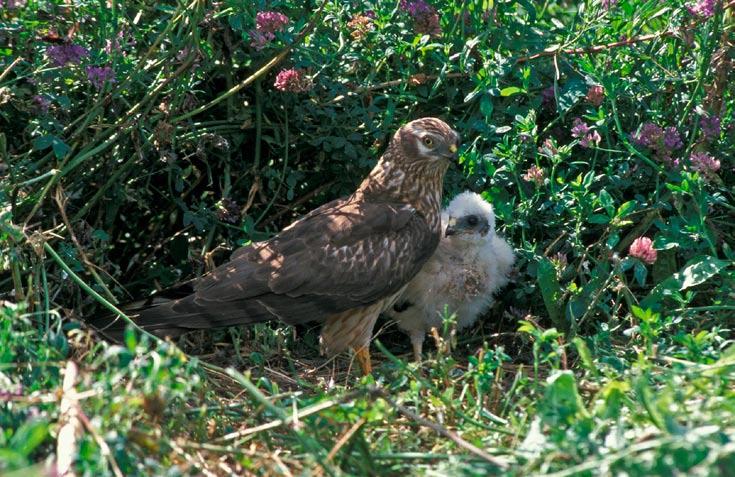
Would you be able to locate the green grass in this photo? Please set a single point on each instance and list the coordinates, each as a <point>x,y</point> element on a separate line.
<point>616,408</point>
<point>592,362</point>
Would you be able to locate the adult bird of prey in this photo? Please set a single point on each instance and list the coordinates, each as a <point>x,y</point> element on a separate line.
<point>470,264</point>
<point>342,264</point>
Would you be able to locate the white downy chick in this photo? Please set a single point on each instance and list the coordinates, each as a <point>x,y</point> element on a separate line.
<point>470,264</point>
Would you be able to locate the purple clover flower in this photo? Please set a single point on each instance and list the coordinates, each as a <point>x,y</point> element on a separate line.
<point>62,55</point>
<point>548,148</point>
<point>590,139</point>
<point>587,137</point>
<point>642,249</point>
<point>13,4</point>
<point>711,127</point>
<point>359,26</point>
<point>425,17</point>
<point>416,7</point>
<point>663,142</point>
<point>293,81</point>
<point>534,174</point>
<point>704,163</point>
<point>260,40</point>
<point>595,94</point>
<point>560,260</point>
<point>579,128</point>
<point>6,394</point>
<point>649,135</point>
<point>270,22</point>
<point>548,98</point>
<point>703,8</point>
<point>608,4</point>
<point>267,24</point>
<point>99,75</point>
<point>114,44</point>
<point>42,103</point>
<point>672,139</point>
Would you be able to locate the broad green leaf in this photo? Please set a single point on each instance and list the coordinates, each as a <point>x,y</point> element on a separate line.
<point>42,142</point>
<point>29,436</point>
<point>486,106</point>
<point>607,202</point>
<point>551,292</point>
<point>697,271</point>
<point>100,235</point>
<point>644,314</point>
<point>700,272</point>
<point>659,13</point>
<point>665,265</point>
<point>640,272</point>
<point>584,354</point>
<point>626,208</point>
<point>57,145</point>
<point>60,148</point>
<point>612,395</point>
<point>12,459</point>
<point>598,219</point>
<point>562,404</point>
<point>645,396</point>
<point>725,364</point>
<point>510,91</point>
<point>613,240</point>
<point>530,8</point>
<point>570,93</point>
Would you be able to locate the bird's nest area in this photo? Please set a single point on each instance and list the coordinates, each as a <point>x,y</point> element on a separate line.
<point>294,362</point>
<point>290,356</point>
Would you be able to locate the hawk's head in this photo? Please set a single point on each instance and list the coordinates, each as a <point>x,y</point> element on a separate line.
<point>468,217</point>
<point>427,139</point>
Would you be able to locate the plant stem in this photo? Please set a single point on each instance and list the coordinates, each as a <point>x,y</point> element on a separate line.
<point>99,298</point>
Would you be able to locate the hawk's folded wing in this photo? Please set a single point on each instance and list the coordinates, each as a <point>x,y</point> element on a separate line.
<point>343,255</point>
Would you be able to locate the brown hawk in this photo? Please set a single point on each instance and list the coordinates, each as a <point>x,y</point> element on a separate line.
<point>470,264</point>
<point>342,264</point>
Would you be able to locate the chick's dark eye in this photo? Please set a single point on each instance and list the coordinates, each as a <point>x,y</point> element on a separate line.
<point>428,142</point>
<point>472,220</point>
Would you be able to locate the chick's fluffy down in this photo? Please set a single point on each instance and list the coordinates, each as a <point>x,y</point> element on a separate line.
<point>462,275</point>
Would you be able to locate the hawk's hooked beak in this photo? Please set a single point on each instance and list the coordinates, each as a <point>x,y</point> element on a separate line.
<point>451,227</point>
<point>452,152</point>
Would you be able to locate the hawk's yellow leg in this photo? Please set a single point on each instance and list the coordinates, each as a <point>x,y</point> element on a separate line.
<point>363,359</point>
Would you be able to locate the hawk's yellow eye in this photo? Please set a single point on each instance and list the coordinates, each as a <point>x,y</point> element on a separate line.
<point>428,142</point>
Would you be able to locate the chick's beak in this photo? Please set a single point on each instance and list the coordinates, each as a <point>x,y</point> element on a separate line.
<point>451,227</point>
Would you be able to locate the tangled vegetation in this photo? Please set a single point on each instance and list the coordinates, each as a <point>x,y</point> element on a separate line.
<point>140,142</point>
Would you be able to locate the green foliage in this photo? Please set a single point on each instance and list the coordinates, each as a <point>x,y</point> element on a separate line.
<point>131,394</point>
<point>141,141</point>
<point>551,292</point>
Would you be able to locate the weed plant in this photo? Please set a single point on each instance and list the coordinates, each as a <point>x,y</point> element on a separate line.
<point>140,142</point>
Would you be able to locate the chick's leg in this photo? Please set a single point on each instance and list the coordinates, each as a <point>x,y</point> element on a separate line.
<point>417,341</point>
